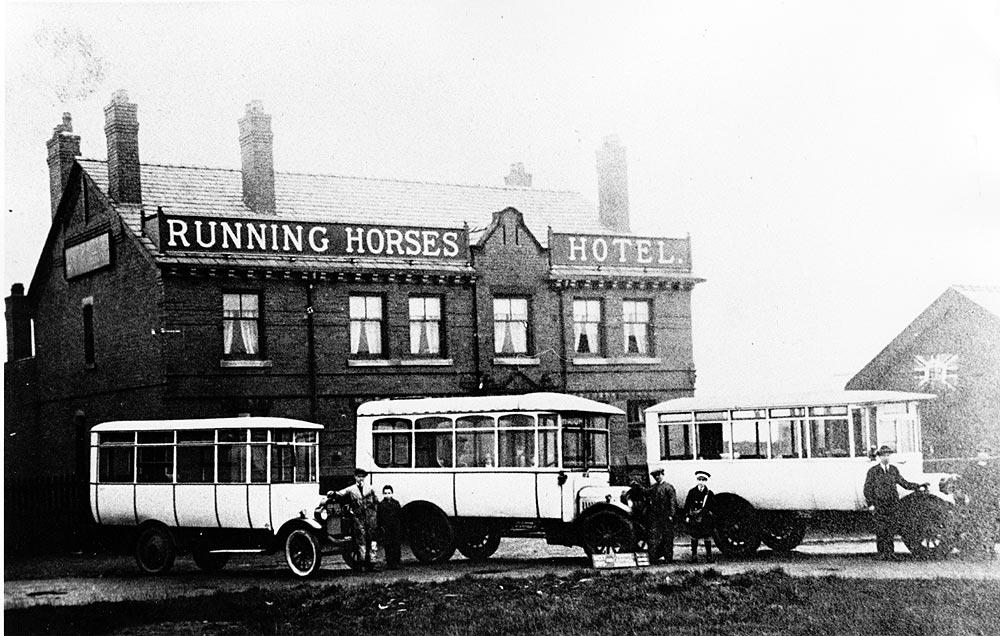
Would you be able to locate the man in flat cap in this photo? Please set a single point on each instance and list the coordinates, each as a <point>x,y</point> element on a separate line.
<point>698,515</point>
<point>882,498</point>
<point>662,508</point>
<point>361,502</point>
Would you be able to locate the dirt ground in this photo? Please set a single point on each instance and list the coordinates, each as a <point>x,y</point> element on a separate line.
<point>84,579</point>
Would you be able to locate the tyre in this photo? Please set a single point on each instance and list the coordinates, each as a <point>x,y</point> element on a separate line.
<point>352,557</point>
<point>432,539</point>
<point>607,531</point>
<point>302,553</point>
<point>783,531</point>
<point>478,541</point>
<point>926,525</point>
<point>155,550</point>
<point>737,529</point>
<point>209,562</point>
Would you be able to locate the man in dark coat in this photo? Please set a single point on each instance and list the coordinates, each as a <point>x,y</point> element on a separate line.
<point>361,501</point>
<point>662,508</point>
<point>882,498</point>
<point>389,523</point>
<point>698,516</point>
<point>982,485</point>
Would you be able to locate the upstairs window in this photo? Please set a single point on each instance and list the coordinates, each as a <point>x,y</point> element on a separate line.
<point>425,326</point>
<point>587,326</point>
<point>510,326</point>
<point>367,329</point>
<point>241,325</point>
<point>88,331</point>
<point>635,319</point>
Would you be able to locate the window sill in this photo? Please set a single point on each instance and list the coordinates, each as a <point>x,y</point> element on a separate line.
<point>246,364</point>
<point>526,361</point>
<point>611,361</point>
<point>395,362</point>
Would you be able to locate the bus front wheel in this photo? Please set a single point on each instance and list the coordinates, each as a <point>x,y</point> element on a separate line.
<point>607,531</point>
<point>783,531</point>
<point>155,550</point>
<point>737,531</point>
<point>302,553</point>
<point>926,525</point>
<point>432,539</point>
<point>478,541</point>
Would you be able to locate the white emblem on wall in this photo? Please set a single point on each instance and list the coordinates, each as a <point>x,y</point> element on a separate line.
<point>939,370</point>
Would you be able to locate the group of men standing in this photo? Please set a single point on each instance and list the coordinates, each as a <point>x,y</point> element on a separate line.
<point>661,513</point>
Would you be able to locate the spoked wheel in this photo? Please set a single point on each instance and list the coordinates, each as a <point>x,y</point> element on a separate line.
<point>302,553</point>
<point>432,538</point>
<point>154,550</point>
<point>783,531</point>
<point>209,562</point>
<point>607,531</point>
<point>926,524</point>
<point>478,541</point>
<point>737,531</point>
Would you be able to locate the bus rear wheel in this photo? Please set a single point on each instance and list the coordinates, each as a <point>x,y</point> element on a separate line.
<point>432,539</point>
<point>155,550</point>
<point>478,541</point>
<point>737,530</point>
<point>926,525</point>
<point>783,531</point>
<point>607,531</point>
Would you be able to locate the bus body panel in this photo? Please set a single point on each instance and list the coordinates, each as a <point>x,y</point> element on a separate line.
<point>155,502</point>
<point>550,495</point>
<point>114,504</point>
<point>231,504</point>
<point>195,505</point>
<point>487,495</point>
<point>434,487</point>
<point>258,505</point>
<point>288,501</point>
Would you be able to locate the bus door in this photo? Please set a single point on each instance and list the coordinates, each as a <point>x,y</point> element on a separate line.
<point>231,503</point>
<point>550,488</point>
<point>259,490</point>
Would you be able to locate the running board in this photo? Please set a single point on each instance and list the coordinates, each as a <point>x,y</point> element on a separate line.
<point>249,551</point>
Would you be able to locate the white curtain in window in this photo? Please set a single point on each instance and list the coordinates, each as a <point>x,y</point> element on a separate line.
<point>585,334</point>
<point>373,334</point>
<point>248,329</point>
<point>228,331</point>
<point>356,337</point>
<point>635,338</point>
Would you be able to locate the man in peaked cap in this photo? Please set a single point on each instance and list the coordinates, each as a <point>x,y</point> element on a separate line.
<point>882,498</point>
<point>698,515</point>
<point>362,501</point>
<point>661,510</point>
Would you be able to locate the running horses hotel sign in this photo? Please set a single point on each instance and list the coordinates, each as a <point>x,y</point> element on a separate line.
<point>250,236</point>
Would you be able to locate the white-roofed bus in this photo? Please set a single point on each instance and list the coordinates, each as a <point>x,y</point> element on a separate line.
<point>470,470</point>
<point>778,461</point>
<point>214,488</point>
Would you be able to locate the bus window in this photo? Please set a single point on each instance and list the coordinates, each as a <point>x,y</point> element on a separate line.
<point>305,463</point>
<point>258,456</point>
<point>749,440</point>
<point>517,447</point>
<point>710,440</point>
<point>786,438</point>
<point>858,433</point>
<point>828,438</point>
<point>475,447</point>
<point>433,442</point>
<point>675,441</point>
<point>585,442</point>
<point>391,440</point>
<point>115,458</point>
<point>195,457</point>
<point>232,456</point>
<point>282,464</point>
<point>155,457</point>
<point>548,453</point>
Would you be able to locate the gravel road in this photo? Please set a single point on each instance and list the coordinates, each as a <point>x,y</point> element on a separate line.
<point>79,580</point>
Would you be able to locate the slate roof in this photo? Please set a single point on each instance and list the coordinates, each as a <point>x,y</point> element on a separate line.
<point>329,198</point>
<point>986,296</point>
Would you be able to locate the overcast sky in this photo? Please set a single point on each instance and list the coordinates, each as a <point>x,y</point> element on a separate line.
<point>836,164</point>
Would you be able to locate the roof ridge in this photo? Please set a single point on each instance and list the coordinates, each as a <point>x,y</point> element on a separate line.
<point>356,178</point>
<point>975,288</point>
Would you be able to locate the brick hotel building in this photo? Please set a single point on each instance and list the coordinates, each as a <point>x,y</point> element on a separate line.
<point>168,291</point>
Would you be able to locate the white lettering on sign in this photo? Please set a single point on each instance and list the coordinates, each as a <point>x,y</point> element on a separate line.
<point>258,233</point>
<point>642,251</point>
<point>573,248</point>
<point>295,238</point>
<point>318,246</point>
<point>228,233</point>
<point>177,229</point>
<point>620,243</point>
<point>354,241</point>
<point>600,250</point>
<point>619,250</point>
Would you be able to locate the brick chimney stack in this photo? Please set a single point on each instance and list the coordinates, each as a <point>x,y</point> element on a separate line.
<point>121,126</point>
<point>18,315</point>
<point>257,151</point>
<point>517,178</point>
<point>612,184</point>
<point>63,148</point>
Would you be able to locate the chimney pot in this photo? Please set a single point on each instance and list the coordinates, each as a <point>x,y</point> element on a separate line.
<point>17,289</point>
<point>612,182</point>
<point>518,177</point>
<point>63,148</point>
<point>18,319</point>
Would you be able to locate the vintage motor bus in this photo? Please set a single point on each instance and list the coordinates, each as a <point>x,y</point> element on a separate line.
<point>775,462</point>
<point>214,487</point>
<point>470,470</point>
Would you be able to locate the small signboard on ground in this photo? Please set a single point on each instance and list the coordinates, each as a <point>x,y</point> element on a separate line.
<point>620,560</point>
